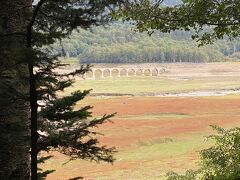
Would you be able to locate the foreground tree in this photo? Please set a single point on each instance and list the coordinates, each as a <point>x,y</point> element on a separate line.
<point>27,30</point>
<point>62,127</point>
<point>14,106</point>
<point>220,161</point>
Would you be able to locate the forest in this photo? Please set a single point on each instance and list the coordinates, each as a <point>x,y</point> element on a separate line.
<point>120,43</point>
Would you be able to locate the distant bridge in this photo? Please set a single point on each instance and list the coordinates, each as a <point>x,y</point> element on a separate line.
<point>127,71</point>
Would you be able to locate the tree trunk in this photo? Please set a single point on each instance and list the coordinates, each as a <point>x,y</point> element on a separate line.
<point>14,106</point>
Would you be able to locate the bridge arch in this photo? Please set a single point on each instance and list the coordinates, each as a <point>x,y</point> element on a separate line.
<point>98,73</point>
<point>131,72</point>
<point>154,72</point>
<point>147,72</point>
<point>107,72</point>
<point>161,70</point>
<point>89,74</point>
<point>139,72</point>
<point>123,72</point>
<point>115,72</point>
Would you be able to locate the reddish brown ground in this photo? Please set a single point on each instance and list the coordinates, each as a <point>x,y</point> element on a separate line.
<point>196,114</point>
<point>200,112</point>
<point>143,105</point>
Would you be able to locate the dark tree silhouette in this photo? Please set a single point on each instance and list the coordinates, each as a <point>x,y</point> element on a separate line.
<point>28,28</point>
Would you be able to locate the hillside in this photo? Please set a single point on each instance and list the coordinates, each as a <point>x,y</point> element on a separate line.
<point>119,43</point>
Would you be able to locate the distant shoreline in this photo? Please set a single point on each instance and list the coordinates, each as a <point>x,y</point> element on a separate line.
<point>205,93</point>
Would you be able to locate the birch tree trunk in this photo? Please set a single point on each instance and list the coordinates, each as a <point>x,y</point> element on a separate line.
<point>14,106</point>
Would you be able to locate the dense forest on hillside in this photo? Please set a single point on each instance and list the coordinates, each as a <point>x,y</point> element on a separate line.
<point>119,43</point>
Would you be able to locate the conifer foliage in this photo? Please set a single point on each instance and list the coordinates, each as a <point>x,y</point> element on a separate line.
<point>55,124</point>
<point>61,127</point>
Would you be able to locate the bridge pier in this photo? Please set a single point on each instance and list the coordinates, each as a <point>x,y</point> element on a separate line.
<point>93,76</point>
<point>119,73</point>
<point>110,73</point>
<point>151,72</point>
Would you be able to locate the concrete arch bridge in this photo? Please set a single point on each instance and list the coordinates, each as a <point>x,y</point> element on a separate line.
<point>126,72</point>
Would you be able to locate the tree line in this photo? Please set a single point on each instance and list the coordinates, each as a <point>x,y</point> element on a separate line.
<point>119,43</point>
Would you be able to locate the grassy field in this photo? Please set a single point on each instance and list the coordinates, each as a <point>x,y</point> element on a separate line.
<point>154,135</point>
<point>138,85</point>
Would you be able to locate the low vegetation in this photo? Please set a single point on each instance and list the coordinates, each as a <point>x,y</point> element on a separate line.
<point>220,161</point>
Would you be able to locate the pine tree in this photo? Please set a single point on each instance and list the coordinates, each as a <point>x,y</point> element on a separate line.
<point>62,128</point>
<point>55,124</point>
